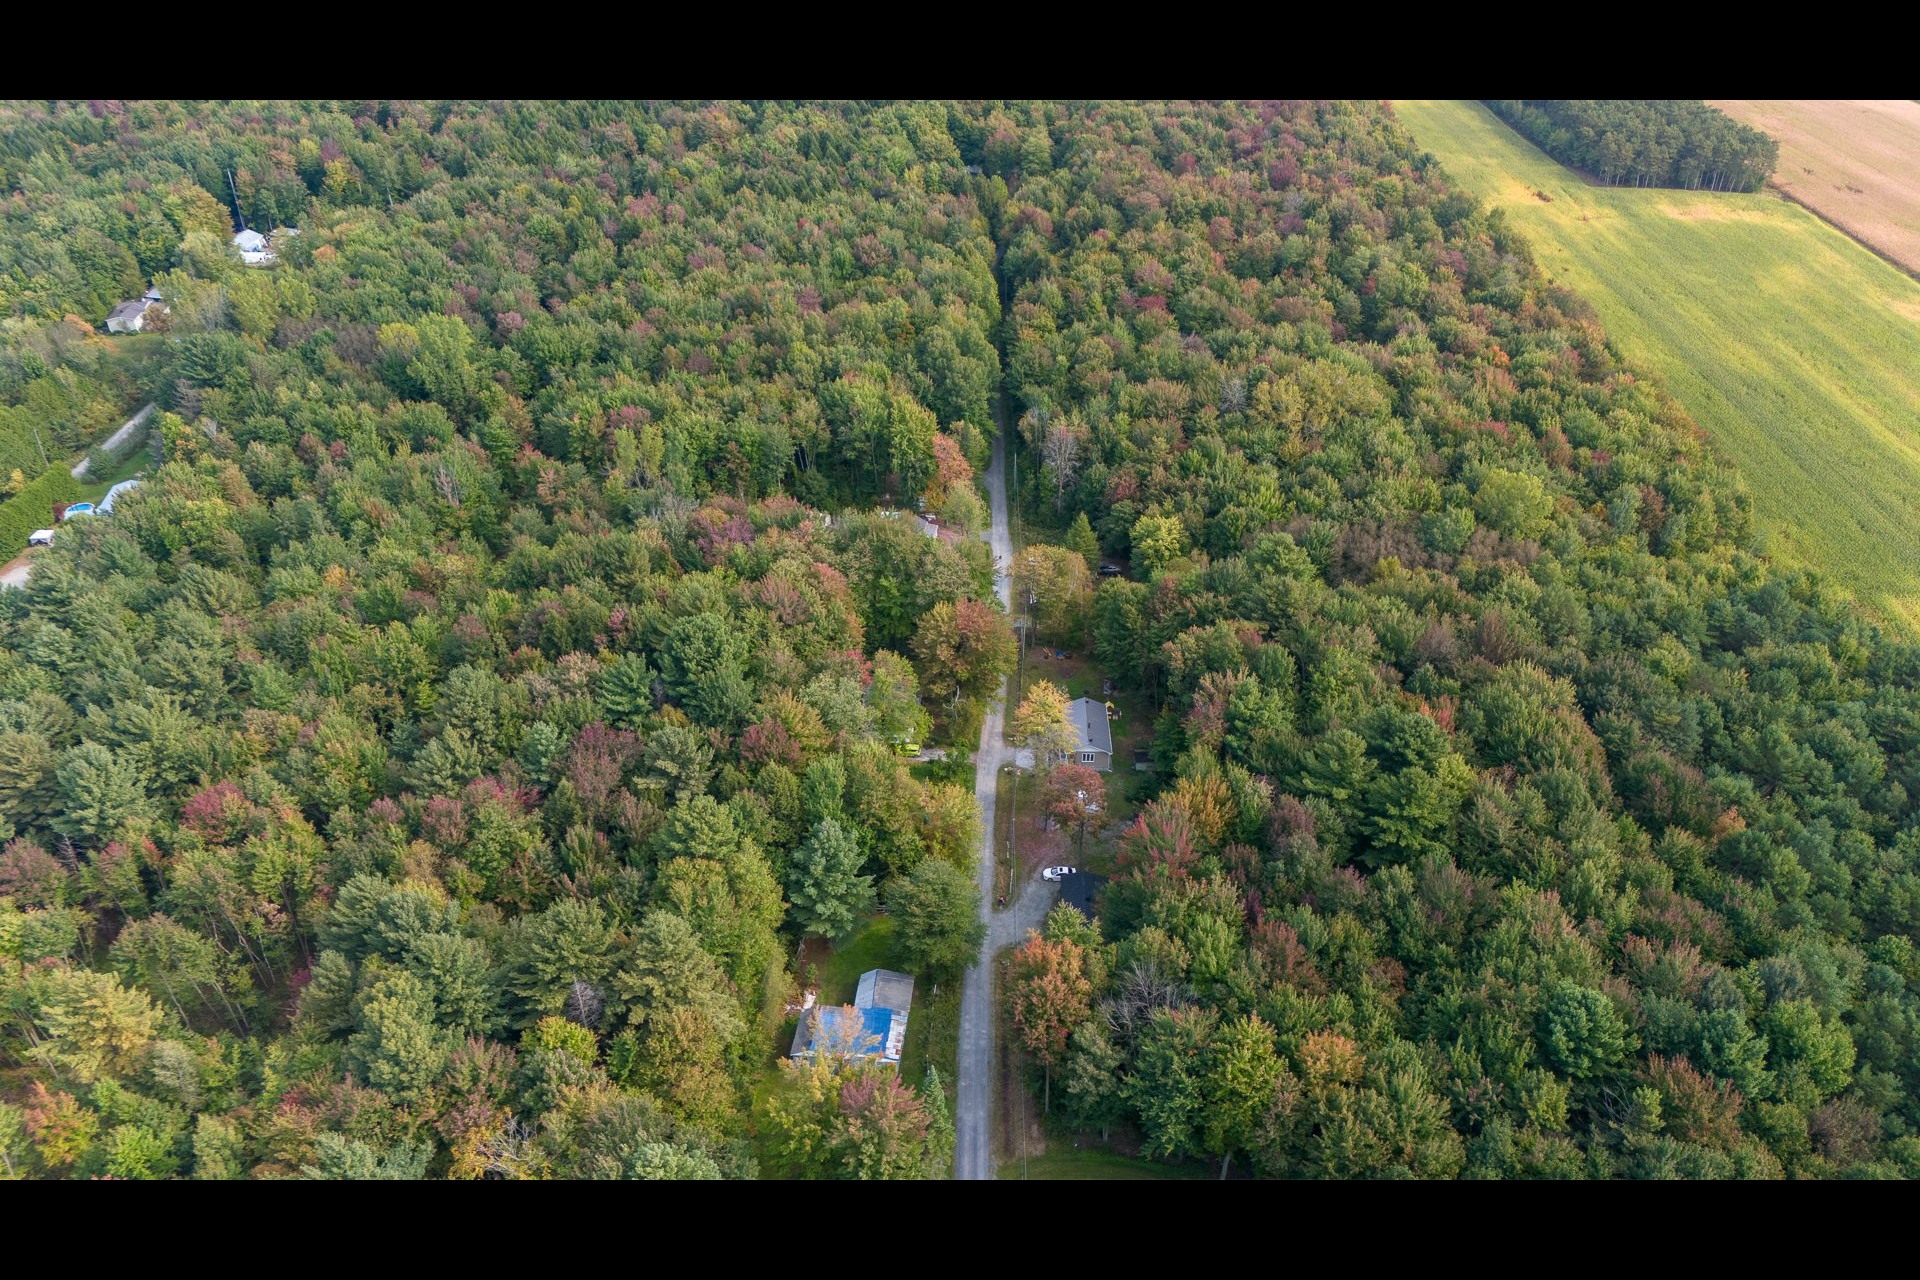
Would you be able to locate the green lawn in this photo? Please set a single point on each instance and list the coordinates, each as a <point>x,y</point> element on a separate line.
<point>867,949</point>
<point>1067,1163</point>
<point>132,465</point>
<point>1792,345</point>
<point>956,770</point>
<point>933,1034</point>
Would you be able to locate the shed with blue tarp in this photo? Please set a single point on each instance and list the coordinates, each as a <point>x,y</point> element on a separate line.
<point>873,1026</point>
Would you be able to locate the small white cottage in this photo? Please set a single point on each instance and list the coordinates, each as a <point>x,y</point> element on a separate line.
<point>253,248</point>
<point>129,317</point>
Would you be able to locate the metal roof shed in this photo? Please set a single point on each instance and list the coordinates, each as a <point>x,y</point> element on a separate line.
<point>884,989</point>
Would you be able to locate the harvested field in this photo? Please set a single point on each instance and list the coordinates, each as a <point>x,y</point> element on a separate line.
<point>1855,162</point>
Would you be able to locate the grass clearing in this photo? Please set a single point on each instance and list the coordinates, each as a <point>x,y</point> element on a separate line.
<point>1793,346</point>
<point>933,1034</point>
<point>1855,163</point>
<point>869,948</point>
<point>93,489</point>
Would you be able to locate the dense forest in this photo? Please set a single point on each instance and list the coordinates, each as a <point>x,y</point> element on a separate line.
<point>1519,820</point>
<point>1664,143</point>
<point>431,770</point>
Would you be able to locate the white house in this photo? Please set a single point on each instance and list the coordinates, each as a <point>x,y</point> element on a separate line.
<point>253,248</point>
<point>129,317</point>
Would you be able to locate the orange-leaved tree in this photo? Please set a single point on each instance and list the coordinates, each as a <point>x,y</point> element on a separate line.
<point>1050,995</point>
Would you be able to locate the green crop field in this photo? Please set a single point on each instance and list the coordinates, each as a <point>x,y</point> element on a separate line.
<point>1797,349</point>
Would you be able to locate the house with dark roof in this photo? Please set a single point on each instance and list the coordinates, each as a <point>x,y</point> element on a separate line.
<point>1079,889</point>
<point>1096,734</point>
<point>873,1026</point>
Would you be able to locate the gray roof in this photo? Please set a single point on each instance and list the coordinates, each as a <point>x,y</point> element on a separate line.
<point>106,504</point>
<point>128,310</point>
<point>250,240</point>
<point>1090,718</point>
<point>884,989</point>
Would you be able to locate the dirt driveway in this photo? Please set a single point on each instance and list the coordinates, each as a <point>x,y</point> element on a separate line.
<point>14,572</point>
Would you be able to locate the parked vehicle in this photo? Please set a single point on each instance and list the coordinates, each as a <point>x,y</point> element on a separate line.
<point>1109,570</point>
<point>1056,873</point>
<point>906,748</point>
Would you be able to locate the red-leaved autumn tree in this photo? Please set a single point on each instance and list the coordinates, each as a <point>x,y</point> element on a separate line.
<point>1050,996</point>
<point>1074,794</point>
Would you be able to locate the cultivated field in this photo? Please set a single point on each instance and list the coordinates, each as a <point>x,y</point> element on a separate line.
<point>1855,163</point>
<point>1794,346</point>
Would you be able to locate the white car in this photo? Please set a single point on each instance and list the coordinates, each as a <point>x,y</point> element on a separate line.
<point>40,538</point>
<point>1056,873</point>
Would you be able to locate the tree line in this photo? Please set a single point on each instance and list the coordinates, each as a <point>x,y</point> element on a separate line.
<point>1677,142</point>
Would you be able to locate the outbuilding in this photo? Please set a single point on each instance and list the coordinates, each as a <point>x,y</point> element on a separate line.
<point>106,503</point>
<point>873,1026</point>
<point>1078,890</point>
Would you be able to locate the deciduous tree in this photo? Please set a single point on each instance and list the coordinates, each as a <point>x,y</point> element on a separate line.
<point>936,909</point>
<point>1041,724</point>
<point>1050,995</point>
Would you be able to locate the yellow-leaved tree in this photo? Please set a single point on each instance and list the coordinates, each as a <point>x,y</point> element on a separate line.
<point>1041,723</point>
